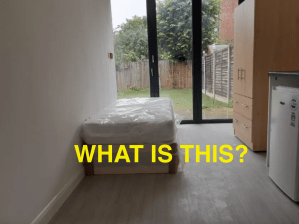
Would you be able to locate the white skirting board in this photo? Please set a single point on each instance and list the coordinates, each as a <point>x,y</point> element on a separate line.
<point>49,211</point>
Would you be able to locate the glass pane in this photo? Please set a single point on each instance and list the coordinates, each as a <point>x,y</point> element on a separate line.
<point>217,73</point>
<point>131,48</point>
<point>174,27</point>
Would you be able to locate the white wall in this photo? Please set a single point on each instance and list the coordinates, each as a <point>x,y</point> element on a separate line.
<point>55,73</point>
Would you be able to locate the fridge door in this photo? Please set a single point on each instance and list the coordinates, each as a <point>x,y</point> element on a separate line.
<point>284,141</point>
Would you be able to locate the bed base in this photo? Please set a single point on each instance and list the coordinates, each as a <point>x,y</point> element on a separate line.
<point>172,167</point>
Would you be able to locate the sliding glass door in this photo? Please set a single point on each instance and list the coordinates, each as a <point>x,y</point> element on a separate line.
<point>217,60</point>
<point>174,26</point>
<point>159,53</point>
<point>131,47</point>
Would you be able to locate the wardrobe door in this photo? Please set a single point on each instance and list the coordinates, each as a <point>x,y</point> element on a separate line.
<point>248,47</point>
<point>238,49</point>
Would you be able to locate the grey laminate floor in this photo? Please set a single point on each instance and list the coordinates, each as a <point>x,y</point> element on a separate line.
<point>202,193</point>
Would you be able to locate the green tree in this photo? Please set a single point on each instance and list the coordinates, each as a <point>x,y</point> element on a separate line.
<point>174,26</point>
<point>210,21</point>
<point>130,40</point>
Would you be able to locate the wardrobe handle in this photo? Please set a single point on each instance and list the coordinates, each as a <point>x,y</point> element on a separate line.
<point>239,73</point>
<point>243,70</point>
<point>244,126</point>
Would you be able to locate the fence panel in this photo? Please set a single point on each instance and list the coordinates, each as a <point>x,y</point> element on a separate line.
<point>221,73</point>
<point>224,67</point>
<point>172,75</point>
<point>209,69</point>
<point>135,74</point>
<point>231,73</point>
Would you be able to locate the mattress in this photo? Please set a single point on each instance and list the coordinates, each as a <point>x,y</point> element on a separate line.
<point>133,121</point>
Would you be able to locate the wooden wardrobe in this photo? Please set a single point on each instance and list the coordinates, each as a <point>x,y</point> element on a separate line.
<point>266,39</point>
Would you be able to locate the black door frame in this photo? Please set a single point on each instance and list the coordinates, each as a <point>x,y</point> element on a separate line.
<point>196,62</point>
<point>152,47</point>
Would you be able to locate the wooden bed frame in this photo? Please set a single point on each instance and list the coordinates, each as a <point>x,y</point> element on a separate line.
<point>171,167</point>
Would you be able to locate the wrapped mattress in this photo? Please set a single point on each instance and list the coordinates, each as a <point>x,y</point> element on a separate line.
<point>133,121</point>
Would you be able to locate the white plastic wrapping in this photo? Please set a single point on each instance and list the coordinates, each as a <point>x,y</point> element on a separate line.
<point>133,121</point>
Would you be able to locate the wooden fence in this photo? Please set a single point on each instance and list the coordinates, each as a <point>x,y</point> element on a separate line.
<point>217,76</point>
<point>172,75</point>
<point>217,70</point>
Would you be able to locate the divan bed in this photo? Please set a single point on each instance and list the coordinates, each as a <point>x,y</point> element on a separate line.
<point>136,121</point>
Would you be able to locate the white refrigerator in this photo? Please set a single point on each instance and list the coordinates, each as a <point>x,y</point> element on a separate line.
<point>284,131</point>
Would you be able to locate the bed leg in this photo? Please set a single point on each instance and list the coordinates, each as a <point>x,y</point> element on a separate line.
<point>88,167</point>
<point>173,165</point>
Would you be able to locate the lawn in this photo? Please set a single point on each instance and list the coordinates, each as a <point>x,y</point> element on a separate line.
<point>181,98</point>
